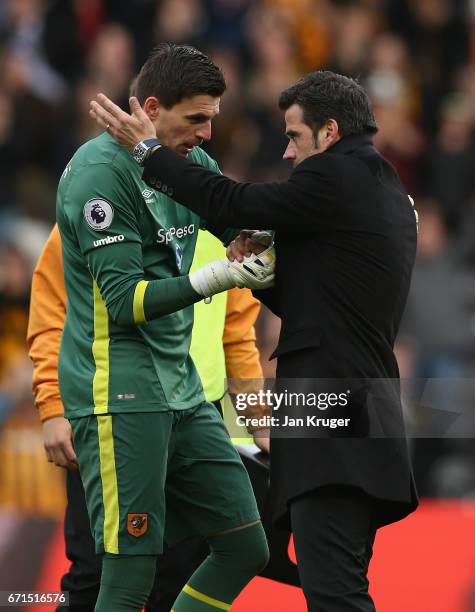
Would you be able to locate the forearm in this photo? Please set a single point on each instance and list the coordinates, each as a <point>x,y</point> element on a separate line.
<point>44,349</point>
<point>149,300</point>
<point>202,191</point>
<point>169,295</point>
<point>44,354</point>
<point>239,336</point>
<point>243,367</point>
<point>286,206</point>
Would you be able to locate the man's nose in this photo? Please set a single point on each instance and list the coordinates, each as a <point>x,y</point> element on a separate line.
<point>289,152</point>
<point>204,132</point>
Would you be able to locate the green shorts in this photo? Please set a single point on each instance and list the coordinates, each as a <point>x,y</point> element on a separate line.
<point>150,476</point>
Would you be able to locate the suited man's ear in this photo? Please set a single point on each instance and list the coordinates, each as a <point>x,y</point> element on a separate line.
<point>332,133</point>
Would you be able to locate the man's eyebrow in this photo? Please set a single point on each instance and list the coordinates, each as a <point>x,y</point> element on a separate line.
<point>201,116</point>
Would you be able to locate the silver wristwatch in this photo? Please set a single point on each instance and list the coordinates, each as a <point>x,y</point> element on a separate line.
<point>143,149</point>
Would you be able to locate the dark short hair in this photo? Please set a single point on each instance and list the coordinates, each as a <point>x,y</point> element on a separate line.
<point>173,72</point>
<point>325,95</point>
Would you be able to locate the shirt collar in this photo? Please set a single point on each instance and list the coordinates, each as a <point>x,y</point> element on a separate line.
<point>350,143</point>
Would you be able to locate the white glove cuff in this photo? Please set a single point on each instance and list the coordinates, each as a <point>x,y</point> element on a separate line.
<point>213,278</point>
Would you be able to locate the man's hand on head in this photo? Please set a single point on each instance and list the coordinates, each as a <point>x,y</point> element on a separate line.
<point>127,129</point>
<point>58,443</point>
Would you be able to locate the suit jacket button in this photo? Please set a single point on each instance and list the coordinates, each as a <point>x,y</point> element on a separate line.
<point>164,188</point>
<point>152,181</point>
<point>170,191</point>
<point>158,184</point>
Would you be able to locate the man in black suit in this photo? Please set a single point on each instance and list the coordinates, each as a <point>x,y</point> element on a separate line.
<point>345,241</point>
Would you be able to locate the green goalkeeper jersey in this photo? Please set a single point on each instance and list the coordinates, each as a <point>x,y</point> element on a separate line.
<point>126,249</point>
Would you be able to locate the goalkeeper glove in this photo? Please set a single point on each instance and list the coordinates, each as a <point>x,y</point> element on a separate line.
<point>255,272</point>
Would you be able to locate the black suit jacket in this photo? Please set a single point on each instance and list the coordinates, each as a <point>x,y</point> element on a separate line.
<point>345,243</point>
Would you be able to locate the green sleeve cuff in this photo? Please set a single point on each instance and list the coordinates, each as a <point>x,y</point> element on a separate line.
<point>162,297</point>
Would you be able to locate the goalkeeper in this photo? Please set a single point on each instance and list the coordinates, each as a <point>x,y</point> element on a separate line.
<point>155,459</point>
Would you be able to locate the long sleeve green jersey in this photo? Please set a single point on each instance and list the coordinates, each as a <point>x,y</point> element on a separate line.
<point>127,251</point>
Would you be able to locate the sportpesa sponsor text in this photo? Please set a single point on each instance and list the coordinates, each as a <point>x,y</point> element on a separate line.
<point>163,235</point>
<point>167,235</point>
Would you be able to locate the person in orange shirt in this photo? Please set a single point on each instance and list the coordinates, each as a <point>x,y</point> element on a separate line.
<point>47,315</point>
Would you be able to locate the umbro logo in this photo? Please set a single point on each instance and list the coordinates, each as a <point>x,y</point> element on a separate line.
<point>109,240</point>
<point>147,195</point>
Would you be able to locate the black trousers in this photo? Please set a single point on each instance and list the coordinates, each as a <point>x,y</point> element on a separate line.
<point>174,567</point>
<point>333,535</point>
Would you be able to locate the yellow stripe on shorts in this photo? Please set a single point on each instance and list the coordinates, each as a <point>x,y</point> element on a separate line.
<point>215,603</point>
<point>110,496</point>
<point>139,294</point>
<point>100,352</point>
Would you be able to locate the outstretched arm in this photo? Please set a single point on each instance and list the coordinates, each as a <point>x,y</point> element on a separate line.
<point>305,202</point>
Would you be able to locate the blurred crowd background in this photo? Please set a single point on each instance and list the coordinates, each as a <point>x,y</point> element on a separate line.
<point>415,57</point>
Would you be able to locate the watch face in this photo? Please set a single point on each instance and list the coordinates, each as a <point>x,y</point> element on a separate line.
<point>139,152</point>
